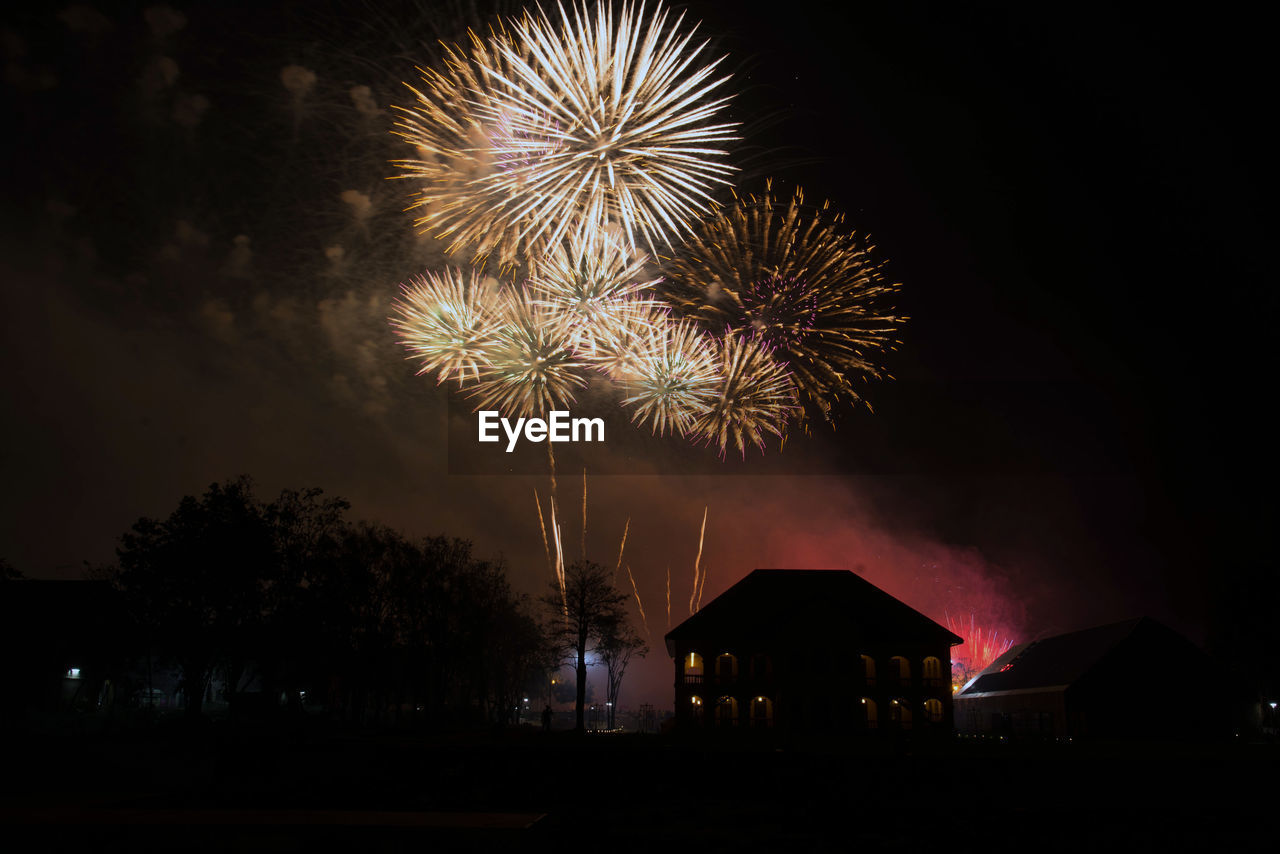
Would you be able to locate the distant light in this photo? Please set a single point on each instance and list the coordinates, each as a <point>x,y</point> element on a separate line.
<point>1273,705</point>
<point>864,701</point>
<point>526,699</point>
<point>74,673</point>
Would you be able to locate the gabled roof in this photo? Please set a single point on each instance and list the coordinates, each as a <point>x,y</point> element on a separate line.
<point>772,603</point>
<point>1058,661</point>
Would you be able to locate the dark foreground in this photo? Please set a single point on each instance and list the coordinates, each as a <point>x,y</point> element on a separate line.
<point>218,789</point>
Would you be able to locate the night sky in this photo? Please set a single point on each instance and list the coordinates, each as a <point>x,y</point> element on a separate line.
<point>199,262</point>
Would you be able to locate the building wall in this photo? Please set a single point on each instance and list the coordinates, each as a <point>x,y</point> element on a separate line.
<point>1040,713</point>
<point>820,686</point>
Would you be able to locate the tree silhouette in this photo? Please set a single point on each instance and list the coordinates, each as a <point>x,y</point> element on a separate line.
<point>617,645</point>
<point>8,573</point>
<point>197,578</point>
<point>590,609</point>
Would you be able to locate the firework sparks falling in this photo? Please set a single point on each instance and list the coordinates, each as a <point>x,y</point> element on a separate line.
<point>756,396</point>
<point>597,119</point>
<point>449,321</point>
<point>796,279</point>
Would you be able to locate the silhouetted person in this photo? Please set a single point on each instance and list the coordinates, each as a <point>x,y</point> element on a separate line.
<point>546,719</point>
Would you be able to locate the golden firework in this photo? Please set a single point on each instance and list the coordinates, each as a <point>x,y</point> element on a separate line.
<point>797,280</point>
<point>756,396</point>
<point>449,321</point>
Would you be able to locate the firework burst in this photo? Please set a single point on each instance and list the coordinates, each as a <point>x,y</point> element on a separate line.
<point>794,279</point>
<point>595,290</point>
<point>449,321</point>
<point>531,369</point>
<point>756,396</point>
<point>671,378</point>
<point>597,120</point>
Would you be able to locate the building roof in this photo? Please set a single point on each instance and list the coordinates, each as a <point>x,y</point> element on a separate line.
<point>774,603</point>
<point>1058,662</point>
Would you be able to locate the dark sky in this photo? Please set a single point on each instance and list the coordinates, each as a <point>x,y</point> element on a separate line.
<point>198,263</point>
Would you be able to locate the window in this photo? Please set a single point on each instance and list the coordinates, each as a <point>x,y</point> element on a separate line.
<point>933,710</point>
<point>869,712</point>
<point>692,664</point>
<point>727,711</point>
<point>900,669</point>
<point>869,669</point>
<point>900,713</point>
<point>761,711</point>
<point>695,707</point>
<point>932,671</point>
<point>726,667</point>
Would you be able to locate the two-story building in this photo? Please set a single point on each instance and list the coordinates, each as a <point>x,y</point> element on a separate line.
<point>811,650</point>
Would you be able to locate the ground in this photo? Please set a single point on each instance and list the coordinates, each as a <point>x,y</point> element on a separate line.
<point>212,788</point>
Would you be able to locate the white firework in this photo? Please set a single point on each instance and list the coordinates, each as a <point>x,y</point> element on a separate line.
<point>596,120</point>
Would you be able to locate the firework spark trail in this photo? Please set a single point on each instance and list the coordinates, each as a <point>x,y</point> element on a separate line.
<point>695,596</point>
<point>796,278</point>
<point>546,547</point>
<point>648,634</point>
<point>551,464</point>
<point>621,548</point>
<point>555,530</point>
<point>584,511</point>
<point>599,120</point>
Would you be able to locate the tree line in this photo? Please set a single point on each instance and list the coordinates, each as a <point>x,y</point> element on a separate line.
<point>290,596</point>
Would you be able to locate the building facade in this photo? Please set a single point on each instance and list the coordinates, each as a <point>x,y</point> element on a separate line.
<point>811,651</point>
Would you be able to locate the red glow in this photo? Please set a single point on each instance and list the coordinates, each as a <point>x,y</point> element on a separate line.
<point>981,647</point>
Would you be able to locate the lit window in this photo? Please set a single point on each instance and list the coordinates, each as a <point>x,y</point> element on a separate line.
<point>933,710</point>
<point>73,673</point>
<point>761,711</point>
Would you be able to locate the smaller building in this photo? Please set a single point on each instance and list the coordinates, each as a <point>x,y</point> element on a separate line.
<point>1133,679</point>
<point>795,650</point>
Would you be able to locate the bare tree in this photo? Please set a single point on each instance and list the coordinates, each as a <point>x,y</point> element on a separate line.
<point>617,644</point>
<point>590,607</point>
